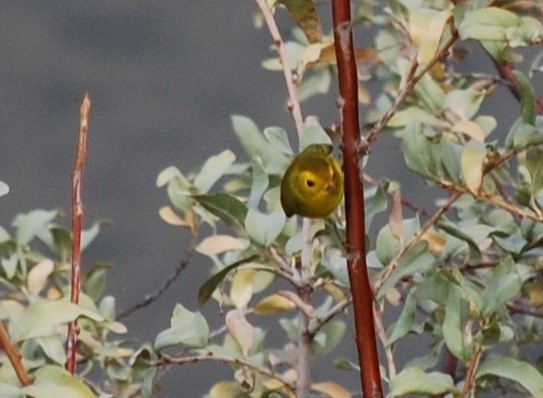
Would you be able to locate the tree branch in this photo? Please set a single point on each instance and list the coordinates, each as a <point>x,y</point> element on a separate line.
<point>354,202</point>
<point>77,225</point>
<point>13,356</point>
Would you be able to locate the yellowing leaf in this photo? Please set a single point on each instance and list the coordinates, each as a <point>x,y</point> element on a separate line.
<point>241,290</point>
<point>472,162</point>
<point>224,389</point>
<point>170,217</point>
<point>331,389</point>
<point>273,304</point>
<point>426,29</point>
<point>240,329</point>
<point>395,219</point>
<point>217,244</point>
<point>38,276</point>
<point>305,15</point>
<point>435,241</point>
<point>469,128</point>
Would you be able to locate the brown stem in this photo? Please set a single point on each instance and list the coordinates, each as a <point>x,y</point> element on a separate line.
<point>469,383</point>
<point>411,82</point>
<point>354,202</point>
<point>294,104</point>
<point>13,356</point>
<point>77,224</point>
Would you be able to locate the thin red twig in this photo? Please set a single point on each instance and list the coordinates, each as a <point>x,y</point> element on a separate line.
<point>77,225</point>
<point>354,202</point>
<point>14,357</point>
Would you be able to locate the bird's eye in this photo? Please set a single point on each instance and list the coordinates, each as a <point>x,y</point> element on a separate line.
<point>310,183</point>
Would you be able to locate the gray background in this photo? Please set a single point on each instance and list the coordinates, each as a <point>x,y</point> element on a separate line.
<point>164,77</point>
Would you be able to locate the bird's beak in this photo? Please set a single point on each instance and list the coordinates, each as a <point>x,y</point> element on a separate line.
<point>331,189</point>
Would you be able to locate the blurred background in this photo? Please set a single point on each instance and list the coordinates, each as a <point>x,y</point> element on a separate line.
<point>164,78</point>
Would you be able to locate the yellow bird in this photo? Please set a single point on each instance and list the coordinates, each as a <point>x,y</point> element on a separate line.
<point>313,183</point>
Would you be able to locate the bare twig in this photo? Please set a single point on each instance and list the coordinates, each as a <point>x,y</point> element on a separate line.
<point>381,332</point>
<point>416,238</point>
<point>77,225</point>
<point>239,361</point>
<point>303,358</point>
<point>13,356</point>
<point>152,297</point>
<point>294,104</point>
<point>469,382</point>
<point>408,88</point>
<point>361,291</point>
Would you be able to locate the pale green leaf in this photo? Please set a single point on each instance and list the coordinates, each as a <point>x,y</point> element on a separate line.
<point>416,381</point>
<point>4,188</point>
<point>454,325</point>
<point>259,183</point>
<point>213,169</point>
<point>28,225</point>
<point>255,145</point>
<point>278,137</point>
<point>504,285</point>
<point>520,372</point>
<point>42,318</point>
<point>313,134</point>
<point>186,328</point>
<point>264,228</point>
<point>53,382</point>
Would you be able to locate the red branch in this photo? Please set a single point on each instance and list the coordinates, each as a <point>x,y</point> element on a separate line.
<point>77,225</point>
<point>354,202</point>
<point>14,357</point>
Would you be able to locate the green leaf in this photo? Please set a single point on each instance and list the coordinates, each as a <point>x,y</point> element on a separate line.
<point>42,318</point>
<point>207,289</point>
<point>254,144</point>
<point>88,235</point>
<point>27,226</point>
<point>496,24</point>
<point>417,259</point>
<point>54,348</point>
<point>53,382</point>
<point>259,184</point>
<point>213,169</point>
<point>328,337</point>
<point>449,155</point>
<point>464,102</point>
<point>456,315</point>
<point>504,285</point>
<point>407,115</point>
<point>405,322</point>
<point>11,391</point>
<point>520,372</point>
<point>226,207</point>
<point>169,174</point>
<point>415,381</point>
<point>418,157</point>
<point>186,328</point>
<point>534,164</point>
<point>528,98</point>
<point>452,229</point>
<point>147,386</point>
<point>523,134</point>
<point>264,228</point>
<point>278,137</point>
<point>376,201</point>
<point>4,188</point>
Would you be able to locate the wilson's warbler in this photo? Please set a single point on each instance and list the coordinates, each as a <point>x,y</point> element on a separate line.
<point>313,183</point>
